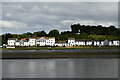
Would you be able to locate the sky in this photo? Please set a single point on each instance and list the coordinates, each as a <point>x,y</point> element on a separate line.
<point>21,17</point>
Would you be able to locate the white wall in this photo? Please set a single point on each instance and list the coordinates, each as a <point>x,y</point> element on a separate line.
<point>42,43</point>
<point>80,43</point>
<point>32,42</point>
<point>111,43</point>
<point>58,44</point>
<point>26,44</point>
<point>89,43</point>
<point>96,43</point>
<point>50,42</point>
<point>11,42</point>
<point>116,43</point>
<point>71,42</point>
<point>61,44</point>
<point>17,43</point>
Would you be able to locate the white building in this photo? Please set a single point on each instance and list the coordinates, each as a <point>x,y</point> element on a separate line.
<point>61,43</point>
<point>32,42</point>
<point>116,42</point>
<point>71,41</point>
<point>17,43</point>
<point>111,43</point>
<point>80,42</point>
<point>25,43</point>
<point>46,41</point>
<point>89,43</point>
<point>12,41</point>
<point>50,41</point>
<point>21,43</point>
<point>97,43</point>
<point>41,41</point>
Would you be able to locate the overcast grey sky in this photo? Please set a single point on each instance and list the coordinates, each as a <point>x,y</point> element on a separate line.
<point>19,17</point>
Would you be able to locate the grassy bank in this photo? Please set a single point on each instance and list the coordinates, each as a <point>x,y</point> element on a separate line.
<point>53,54</point>
<point>49,55</point>
<point>45,48</point>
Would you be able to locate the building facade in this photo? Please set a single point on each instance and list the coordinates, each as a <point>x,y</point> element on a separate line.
<point>50,41</point>
<point>12,41</point>
<point>35,41</point>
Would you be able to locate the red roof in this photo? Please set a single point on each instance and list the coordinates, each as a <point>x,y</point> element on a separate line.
<point>23,39</point>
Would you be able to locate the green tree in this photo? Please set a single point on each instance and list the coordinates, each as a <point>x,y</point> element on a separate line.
<point>53,33</point>
<point>39,33</point>
<point>5,37</point>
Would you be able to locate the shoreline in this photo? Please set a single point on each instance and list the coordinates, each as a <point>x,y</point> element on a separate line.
<point>60,55</point>
<point>60,48</point>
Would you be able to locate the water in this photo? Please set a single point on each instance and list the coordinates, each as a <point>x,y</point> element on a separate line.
<point>60,68</point>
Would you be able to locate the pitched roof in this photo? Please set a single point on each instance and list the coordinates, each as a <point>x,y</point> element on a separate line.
<point>23,39</point>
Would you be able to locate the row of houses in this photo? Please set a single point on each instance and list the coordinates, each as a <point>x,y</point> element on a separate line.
<point>50,41</point>
<point>74,42</point>
<point>35,41</point>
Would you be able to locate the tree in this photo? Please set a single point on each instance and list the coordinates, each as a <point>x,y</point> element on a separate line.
<point>29,34</point>
<point>43,33</point>
<point>53,33</point>
<point>5,37</point>
<point>39,33</point>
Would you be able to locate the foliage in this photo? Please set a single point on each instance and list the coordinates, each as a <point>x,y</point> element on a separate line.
<point>87,32</point>
<point>95,30</point>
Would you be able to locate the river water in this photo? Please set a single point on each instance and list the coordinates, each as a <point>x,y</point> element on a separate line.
<point>60,68</point>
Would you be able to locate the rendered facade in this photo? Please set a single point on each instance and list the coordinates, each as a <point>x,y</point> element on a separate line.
<point>50,41</point>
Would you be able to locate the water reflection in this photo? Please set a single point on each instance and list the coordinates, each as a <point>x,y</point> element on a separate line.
<point>61,68</point>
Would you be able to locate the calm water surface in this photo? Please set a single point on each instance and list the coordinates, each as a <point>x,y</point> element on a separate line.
<point>60,68</point>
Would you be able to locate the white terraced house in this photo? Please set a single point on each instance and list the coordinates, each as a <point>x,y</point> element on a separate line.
<point>40,41</point>
<point>32,42</point>
<point>46,41</point>
<point>12,41</point>
<point>73,42</point>
<point>35,41</point>
<point>80,43</point>
<point>50,41</point>
<point>61,43</point>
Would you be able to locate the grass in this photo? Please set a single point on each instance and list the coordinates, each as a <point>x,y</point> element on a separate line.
<point>49,55</point>
<point>103,37</point>
<point>55,48</point>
